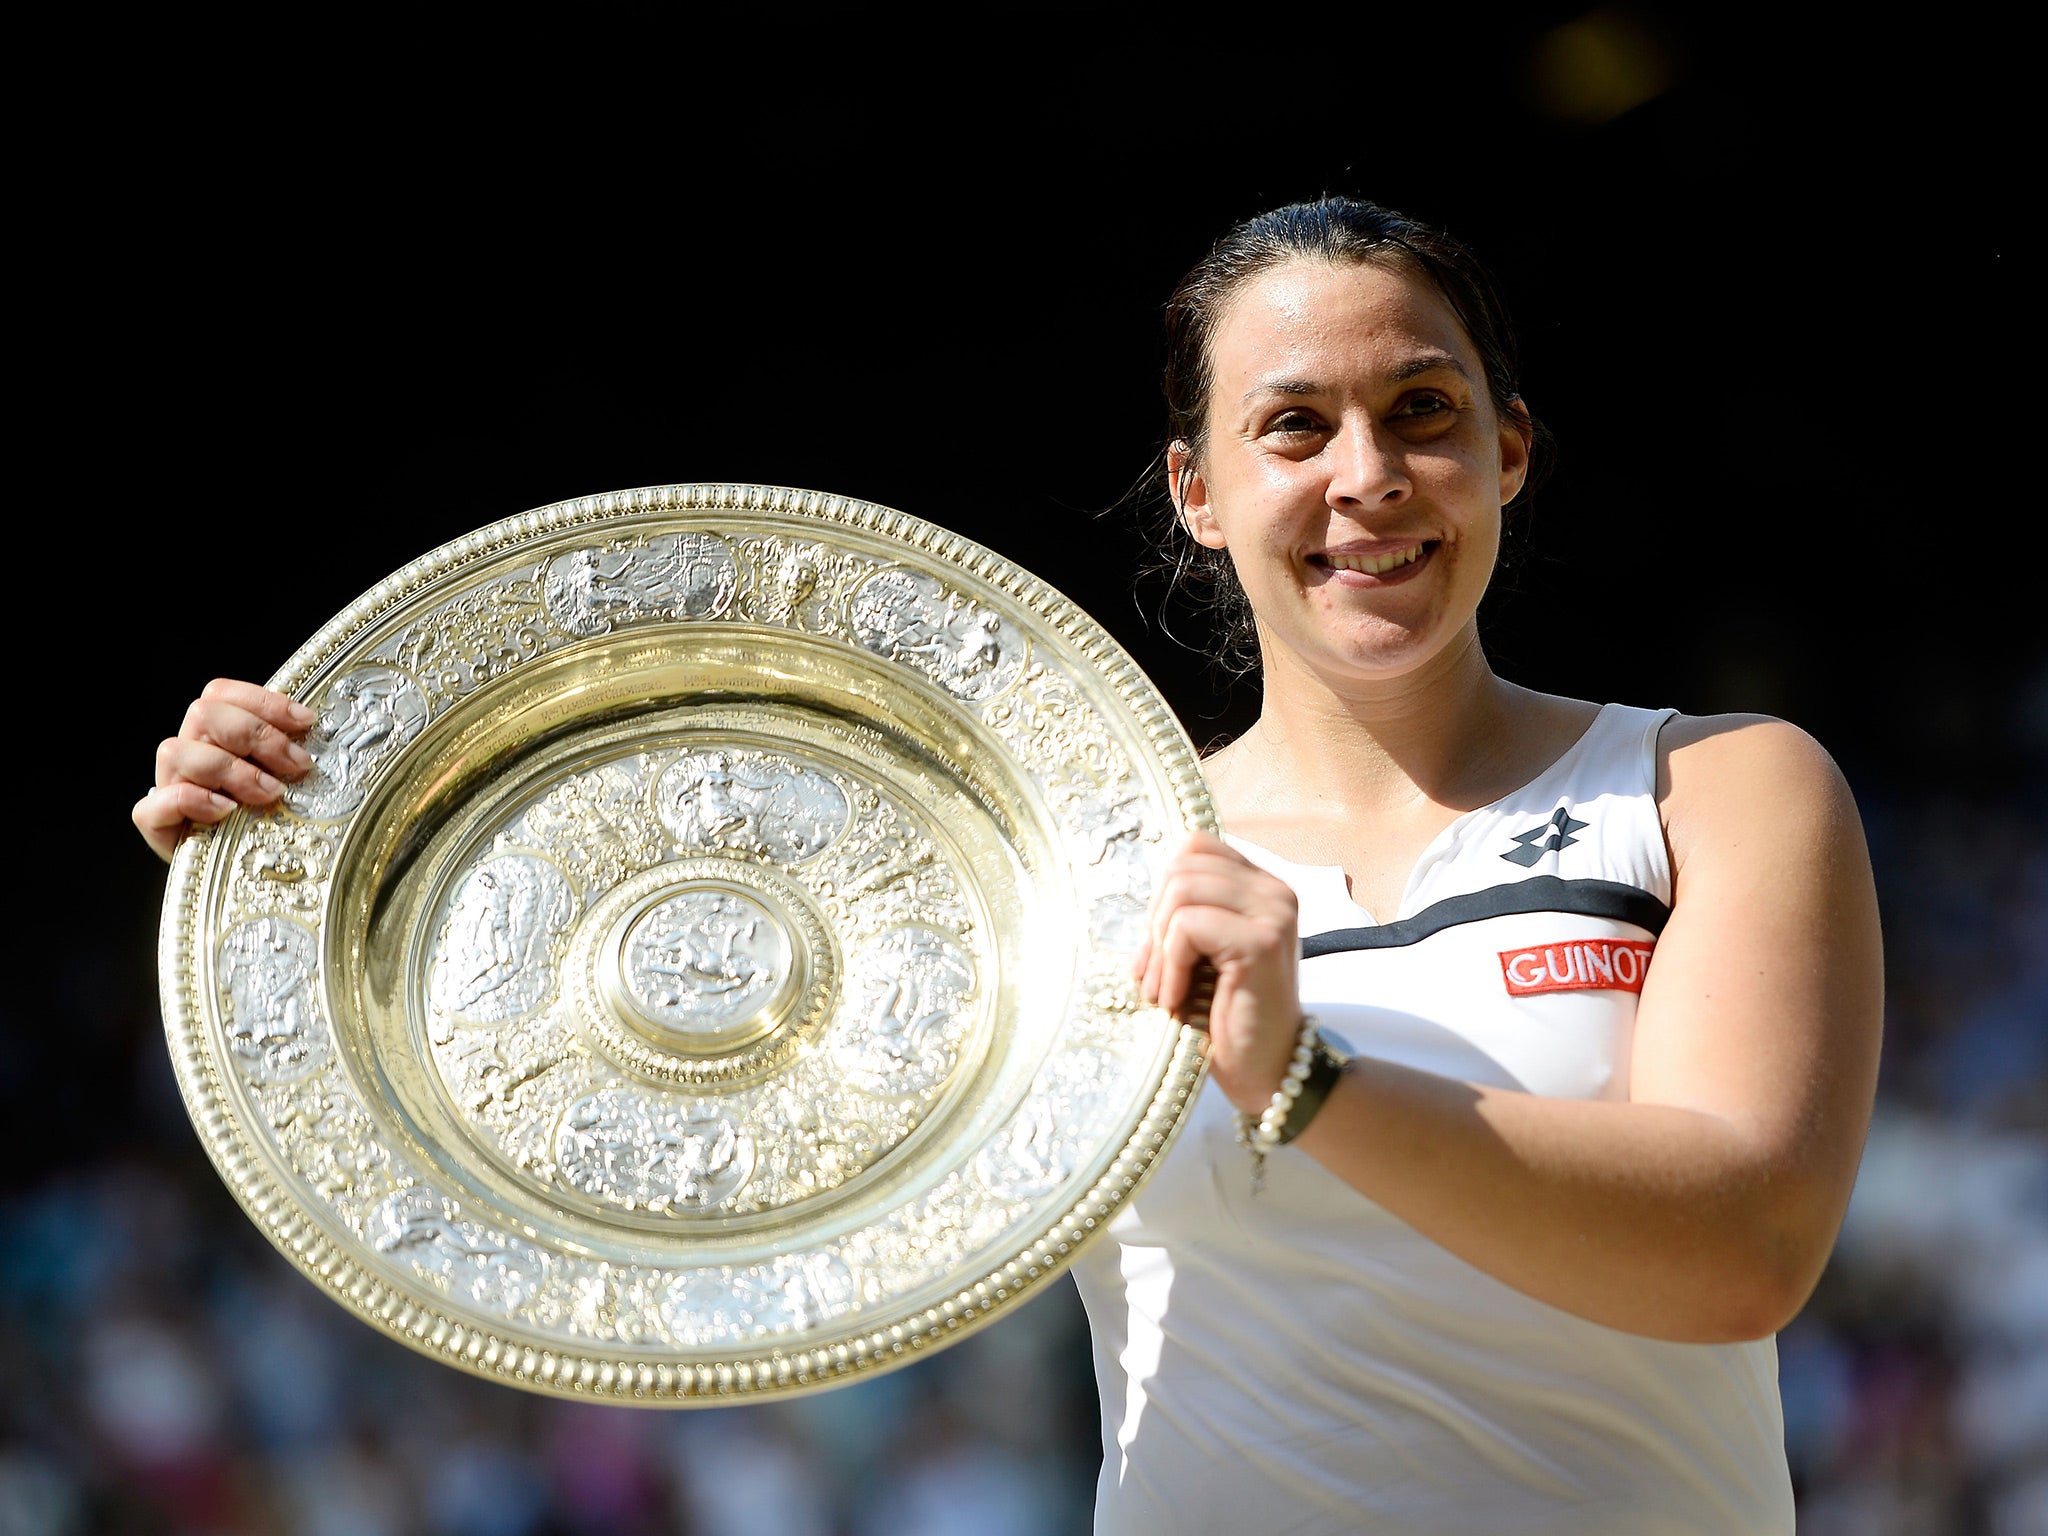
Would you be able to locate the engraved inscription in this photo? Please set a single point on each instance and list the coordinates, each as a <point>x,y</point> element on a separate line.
<point>268,969</point>
<point>366,718</point>
<point>752,802</point>
<point>496,952</point>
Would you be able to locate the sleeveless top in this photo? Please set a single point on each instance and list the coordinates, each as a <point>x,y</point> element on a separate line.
<point>1303,1361</point>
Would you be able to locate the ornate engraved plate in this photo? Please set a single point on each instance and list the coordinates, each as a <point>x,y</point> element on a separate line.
<point>697,965</point>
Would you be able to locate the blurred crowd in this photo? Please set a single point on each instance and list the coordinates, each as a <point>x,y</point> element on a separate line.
<point>169,1374</point>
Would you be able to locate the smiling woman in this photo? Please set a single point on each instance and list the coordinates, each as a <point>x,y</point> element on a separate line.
<point>1544,1031</point>
<point>1606,981</point>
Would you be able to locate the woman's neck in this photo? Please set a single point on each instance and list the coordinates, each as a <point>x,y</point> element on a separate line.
<point>1450,734</point>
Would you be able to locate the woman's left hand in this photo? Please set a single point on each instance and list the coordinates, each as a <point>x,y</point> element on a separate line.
<point>1216,906</point>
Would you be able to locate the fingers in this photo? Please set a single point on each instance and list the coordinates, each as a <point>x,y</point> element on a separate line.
<point>1229,883</point>
<point>1215,910</point>
<point>1213,905</point>
<point>238,745</point>
<point>250,722</point>
<point>164,814</point>
<point>280,709</point>
<point>1253,951</point>
<point>179,761</point>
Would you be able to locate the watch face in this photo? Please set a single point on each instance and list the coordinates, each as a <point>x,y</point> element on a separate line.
<point>698,964</point>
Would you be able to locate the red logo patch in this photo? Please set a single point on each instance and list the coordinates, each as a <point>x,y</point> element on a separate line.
<point>1617,965</point>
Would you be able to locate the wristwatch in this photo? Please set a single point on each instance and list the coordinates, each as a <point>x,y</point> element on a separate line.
<point>1326,1064</point>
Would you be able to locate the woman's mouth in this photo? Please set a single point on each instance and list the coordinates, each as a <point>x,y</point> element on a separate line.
<point>1374,568</point>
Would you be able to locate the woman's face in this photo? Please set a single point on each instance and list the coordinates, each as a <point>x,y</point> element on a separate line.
<point>1355,468</point>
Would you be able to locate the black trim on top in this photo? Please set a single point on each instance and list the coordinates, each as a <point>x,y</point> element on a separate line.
<point>1539,893</point>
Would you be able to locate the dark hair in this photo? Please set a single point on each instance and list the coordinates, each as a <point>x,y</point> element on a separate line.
<point>1338,230</point>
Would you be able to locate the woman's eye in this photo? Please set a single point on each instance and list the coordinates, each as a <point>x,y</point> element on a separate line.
<point>1292,423</point>
<point>1424,405</point>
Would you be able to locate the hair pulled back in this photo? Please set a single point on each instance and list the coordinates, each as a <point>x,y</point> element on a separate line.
<point>1340,231</point>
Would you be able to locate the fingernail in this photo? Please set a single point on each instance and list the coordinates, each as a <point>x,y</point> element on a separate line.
<point>299,756</point>
<point>270,786</point>
<point>220,802</point>
<point>300,715</point>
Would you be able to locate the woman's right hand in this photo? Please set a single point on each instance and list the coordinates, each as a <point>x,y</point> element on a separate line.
<point>238,746</point>
<point>1214,906</point>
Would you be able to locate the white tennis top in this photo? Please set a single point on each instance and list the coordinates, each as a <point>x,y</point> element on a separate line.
<point>1303,1361</point>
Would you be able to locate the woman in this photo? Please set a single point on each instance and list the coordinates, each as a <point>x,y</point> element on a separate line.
<point>1515,1265</point>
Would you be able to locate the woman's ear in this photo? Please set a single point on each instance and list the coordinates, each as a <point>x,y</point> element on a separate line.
<point>1190,495</point>
<point>1517,448</point>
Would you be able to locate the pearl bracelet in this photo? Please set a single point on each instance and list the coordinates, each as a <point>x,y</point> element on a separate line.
<point>1264,1134</point>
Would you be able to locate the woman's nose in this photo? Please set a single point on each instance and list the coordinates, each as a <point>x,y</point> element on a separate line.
<point>1366,467</point>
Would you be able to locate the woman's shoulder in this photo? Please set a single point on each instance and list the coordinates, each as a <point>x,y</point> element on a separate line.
<point>1738,743</point>
<point>1719,773</point>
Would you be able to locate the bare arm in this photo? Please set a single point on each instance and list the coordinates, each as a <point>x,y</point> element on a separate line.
<point>1705,1207</point>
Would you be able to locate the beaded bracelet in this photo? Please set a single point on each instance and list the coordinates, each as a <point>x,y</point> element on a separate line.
<point>1267,1132</point>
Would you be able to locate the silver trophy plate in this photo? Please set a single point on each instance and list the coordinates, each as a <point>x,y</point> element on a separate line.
<point>697,967</point>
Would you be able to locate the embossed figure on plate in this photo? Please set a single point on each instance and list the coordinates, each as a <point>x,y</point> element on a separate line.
<point>269,966</point>
<point>638,1150</point>
<point>366,718</point>
<point>674,576</point>
<point>913,985</point>
<point>785,575</point>
<point>794,1293</point>
<point>1070,1106</point>
<point>488,1267</point>
<point>959,644</point>
<point>284,863</point>
<point>496,953</point>
<point>704,961</point>
<point>751,802</point>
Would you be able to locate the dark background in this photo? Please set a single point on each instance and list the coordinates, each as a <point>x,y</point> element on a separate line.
<point>314,295</point>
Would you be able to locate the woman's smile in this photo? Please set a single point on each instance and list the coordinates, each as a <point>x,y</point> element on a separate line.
<point>1374,566</point>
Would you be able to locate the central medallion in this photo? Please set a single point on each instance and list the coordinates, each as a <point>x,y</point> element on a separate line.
<point>702,970</point>
<point>705,965</point>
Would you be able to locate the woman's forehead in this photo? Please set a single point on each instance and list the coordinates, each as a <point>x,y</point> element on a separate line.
<point>1365,314</point>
